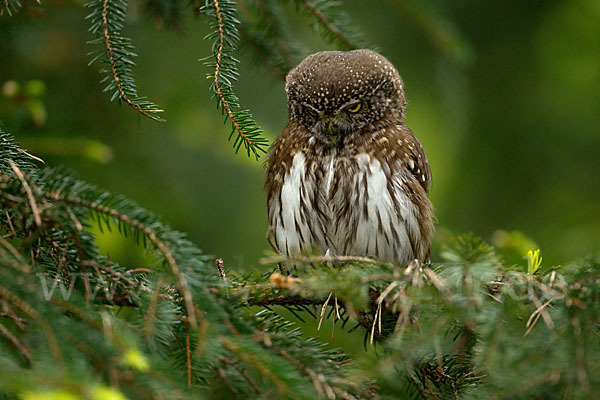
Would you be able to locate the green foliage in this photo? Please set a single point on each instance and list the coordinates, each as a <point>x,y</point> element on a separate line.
<point>166,12</point>
<point>107,20</point>
<point>222,18</point>
<point>268,39</point>
<point>332,22</point>
<point>263,33</point>
<point>77,323</point>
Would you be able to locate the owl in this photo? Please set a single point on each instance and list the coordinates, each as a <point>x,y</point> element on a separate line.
<point>346,176</point>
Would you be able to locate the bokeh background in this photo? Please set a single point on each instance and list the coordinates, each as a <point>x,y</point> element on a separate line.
<point>505,97</point>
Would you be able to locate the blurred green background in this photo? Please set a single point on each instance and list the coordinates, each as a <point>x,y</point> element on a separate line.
<point>505,97</point>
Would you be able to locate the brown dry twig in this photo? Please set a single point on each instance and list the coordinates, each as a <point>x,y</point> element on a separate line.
<point>34,207</point>
<point>221,268</point>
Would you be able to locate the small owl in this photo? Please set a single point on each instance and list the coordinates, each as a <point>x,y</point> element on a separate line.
<point>346,176</point>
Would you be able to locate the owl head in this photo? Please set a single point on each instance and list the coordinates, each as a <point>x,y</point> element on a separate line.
<point>339,93</point>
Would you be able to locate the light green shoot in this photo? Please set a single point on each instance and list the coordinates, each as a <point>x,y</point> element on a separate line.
<point>533,261</point>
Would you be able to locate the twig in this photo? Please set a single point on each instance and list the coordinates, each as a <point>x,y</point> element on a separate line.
<point>11,249</point>
<point>226,107</point>
<point>77,223</point>
<point>284,301</point>
<point>32,202</point>
<point>16,343</point>
<point>221,268</point>
<point>30,155</point>
<point>321,259</point>
<point>377,317</point>
<point>251,360</point>
<point>188,355</point>
<point>113,65</point>
<point>539,310</point>
<point>318,379</point>
<point>328,25</point>
<point>228,384</point>
<point>10,224</point>
<point>323,311</point>
<point>537,316</point>
<point>20,322</point>
<point>152,308</point>
<point>150,233</point>
<point>242,373</point>
<point>29,310</point>
<point>139,271</point>
<point>336,315</point>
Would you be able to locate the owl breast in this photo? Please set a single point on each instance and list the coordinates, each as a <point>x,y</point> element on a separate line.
<point>347,205</point>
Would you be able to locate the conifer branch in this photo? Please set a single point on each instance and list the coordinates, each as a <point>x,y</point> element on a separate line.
<point>335,24</point>
<point>34,208</point>
<point>29,310</point>
<point>265,34</point>
<point>166,13</point>
<point>223,20</point>
<point>188,355</point>
<point>444,329</point>
<point>108,18</point>
<point>10,6</point>
<point>276,30</point>
<point>17,344</point>
<point>148,232</point>
<point>264,370</point>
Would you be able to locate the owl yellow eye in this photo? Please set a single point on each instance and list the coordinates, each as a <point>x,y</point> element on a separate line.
<point>354,109</point>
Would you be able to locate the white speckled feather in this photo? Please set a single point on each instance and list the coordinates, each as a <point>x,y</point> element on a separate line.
<point>287,236</point>
<point>379,232</point>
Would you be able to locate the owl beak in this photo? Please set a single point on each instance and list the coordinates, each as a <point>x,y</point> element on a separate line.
<point>333,133</point>
<point>329,128</point>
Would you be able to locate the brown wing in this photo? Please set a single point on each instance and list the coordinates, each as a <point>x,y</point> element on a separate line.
<point>276,167</point>
<point>400,144</point>
<point>418,165</point>
<point>417,162</point>
<point>278,161</point>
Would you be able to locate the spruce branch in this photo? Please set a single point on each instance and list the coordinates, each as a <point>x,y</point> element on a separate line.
<point>222,18</point>
<point>107,21</point>
<point>469,327</point>
<point>333,23</point>
<point>267,38</point>
<point>166,13</point>
<point>32,202</point>
<point>10,6</point>
<point>31,312</point>
<point>148,232</point>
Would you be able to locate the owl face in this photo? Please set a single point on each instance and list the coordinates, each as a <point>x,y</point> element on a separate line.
<point>334,94</point>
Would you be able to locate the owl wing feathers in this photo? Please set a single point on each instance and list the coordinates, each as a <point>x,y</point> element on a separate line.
<point>410,181</point>
<point>415,158</point>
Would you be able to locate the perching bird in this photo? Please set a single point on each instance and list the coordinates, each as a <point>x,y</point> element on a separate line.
<point>346,176</point>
